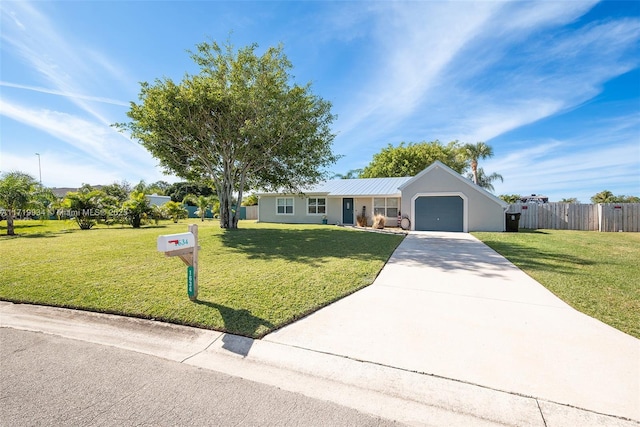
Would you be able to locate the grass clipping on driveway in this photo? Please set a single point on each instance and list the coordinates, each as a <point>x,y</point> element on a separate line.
<point>596,273</point>
<point>251,280</point>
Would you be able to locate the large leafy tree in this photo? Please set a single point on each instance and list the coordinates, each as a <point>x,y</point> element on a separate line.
<point>240,123</point>
<point>410,159</point>
<point>179,190</point>
<point>118,190</point>
<point>16,192</point>
<point>251,200</point>
<point>474,152</point>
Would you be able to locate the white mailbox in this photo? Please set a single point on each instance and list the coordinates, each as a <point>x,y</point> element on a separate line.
<point>174,242</point>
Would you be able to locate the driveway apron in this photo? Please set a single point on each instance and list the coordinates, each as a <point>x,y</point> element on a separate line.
<point>447,305</point>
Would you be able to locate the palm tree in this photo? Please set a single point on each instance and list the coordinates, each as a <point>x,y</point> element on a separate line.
<point>510,198</point>
<point>473,152</point>
<point>137,208</point>
<point>16,193</point>
<point>352,174</point>
<point>175,211</point>
<point>571,200</point>
<point>203,203</point>
<point>85,206</point>
<point>605,196</point>
<point>486,181</point>
<point>43,200</point>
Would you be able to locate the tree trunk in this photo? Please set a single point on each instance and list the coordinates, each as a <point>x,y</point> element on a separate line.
<point>474,170</point>
<point>226,199</point>
<point>236,215</point>
<point>227,217</point>
<point>10,229</point>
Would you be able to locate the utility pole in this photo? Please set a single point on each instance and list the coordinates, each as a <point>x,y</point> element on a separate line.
<point>39,168</point>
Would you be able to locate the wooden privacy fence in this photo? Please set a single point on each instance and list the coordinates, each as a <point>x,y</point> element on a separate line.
<point>570,216</point>
<point>252,212</point>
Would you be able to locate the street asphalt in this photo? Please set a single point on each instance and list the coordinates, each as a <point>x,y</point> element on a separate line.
<point>48,380</point>
<point>450,333</point>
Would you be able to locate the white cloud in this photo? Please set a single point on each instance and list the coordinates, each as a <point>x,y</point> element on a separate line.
<point>62,61</point>
<point>528,16</point>
<point>414,42</point>
<point>95,140</point>
<point>467,71</point>
<point>65,94</point>
<point>578,167</point>
<point>63,169</point>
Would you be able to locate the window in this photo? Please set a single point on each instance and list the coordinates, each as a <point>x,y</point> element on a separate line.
<point>284,206</point>
<point>316,206</point>
<point>386,206</point>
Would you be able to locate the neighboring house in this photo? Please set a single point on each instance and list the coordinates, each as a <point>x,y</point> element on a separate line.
<point>155,200</point>
<point>437,199</point>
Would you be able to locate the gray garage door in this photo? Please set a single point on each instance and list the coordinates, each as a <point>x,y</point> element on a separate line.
<point>439,213</point>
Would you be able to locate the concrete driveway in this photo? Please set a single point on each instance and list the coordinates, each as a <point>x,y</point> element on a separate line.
<point>447,305</point>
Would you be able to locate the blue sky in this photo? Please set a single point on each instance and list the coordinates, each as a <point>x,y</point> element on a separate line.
<point>553,87</point>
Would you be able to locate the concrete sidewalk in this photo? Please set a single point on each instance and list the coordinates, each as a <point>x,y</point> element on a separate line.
<point>450,333</point>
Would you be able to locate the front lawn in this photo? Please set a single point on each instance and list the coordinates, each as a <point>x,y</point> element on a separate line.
<point>251,280</point>
<point>596,273</point>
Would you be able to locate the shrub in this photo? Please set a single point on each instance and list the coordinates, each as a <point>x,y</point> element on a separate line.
<point>362,220</point>
<point>137,208</point>
<point>378,221</point>
<point>84,206</point>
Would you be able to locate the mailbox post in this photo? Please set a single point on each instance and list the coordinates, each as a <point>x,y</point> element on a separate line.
<point>185,246</point>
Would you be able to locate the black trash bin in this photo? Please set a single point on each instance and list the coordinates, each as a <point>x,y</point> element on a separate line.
<point>512,221</point>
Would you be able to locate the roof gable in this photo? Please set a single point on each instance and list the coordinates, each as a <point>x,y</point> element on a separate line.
<point>439,165</point>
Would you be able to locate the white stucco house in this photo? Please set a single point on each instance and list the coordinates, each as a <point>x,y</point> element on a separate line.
<point>437,199</point>
<point>155,200</point>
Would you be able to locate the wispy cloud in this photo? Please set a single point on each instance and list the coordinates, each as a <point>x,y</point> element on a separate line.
<point>580,174</point>
<point>65,94</point>
<point>463,70</point>
<point>99,142</point>
<point>605,155</point>
<point>414,42</point>
<point>66,169</point>
<point>61,61</point>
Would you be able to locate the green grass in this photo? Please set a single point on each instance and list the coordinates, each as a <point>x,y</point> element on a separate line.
<point>596,273</point>
<point>251,280</point>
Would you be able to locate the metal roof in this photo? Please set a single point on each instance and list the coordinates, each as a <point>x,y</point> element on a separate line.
<point>360,187</point>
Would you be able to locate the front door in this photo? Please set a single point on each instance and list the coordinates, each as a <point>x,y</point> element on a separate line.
<point>347,211</point>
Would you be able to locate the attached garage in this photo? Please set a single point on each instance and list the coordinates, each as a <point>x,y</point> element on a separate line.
<point>439,213</point>
<point>440,199</point>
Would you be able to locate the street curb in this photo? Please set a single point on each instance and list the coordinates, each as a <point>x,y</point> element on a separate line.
<point>408,397</point>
